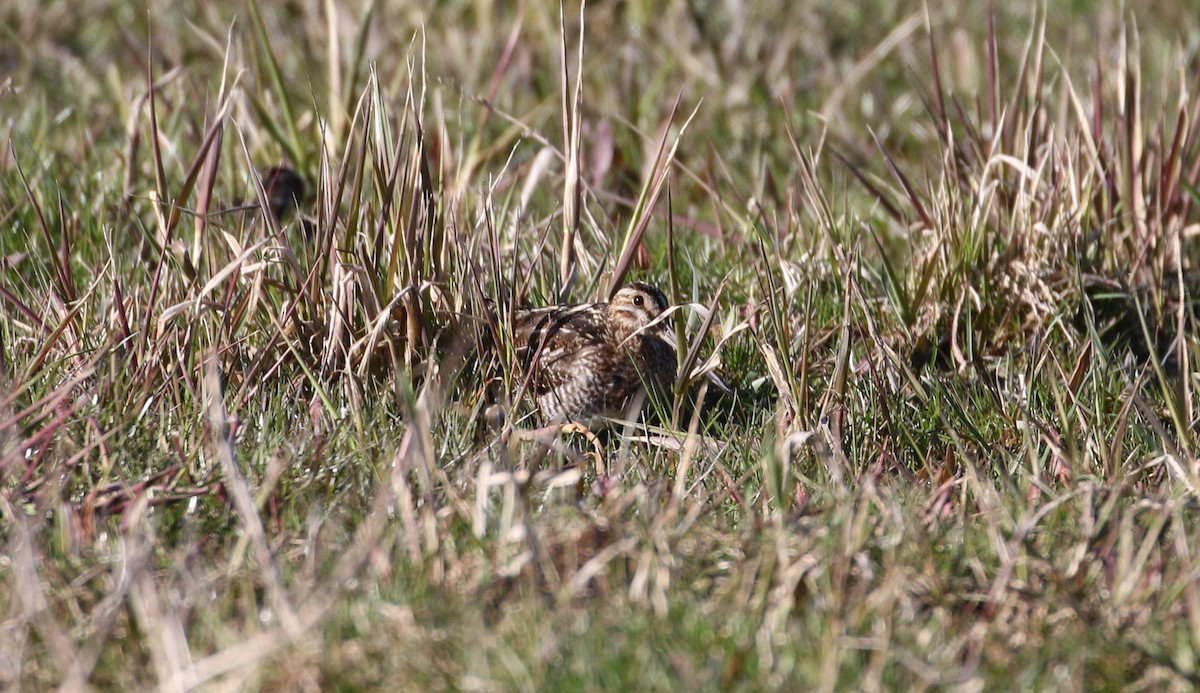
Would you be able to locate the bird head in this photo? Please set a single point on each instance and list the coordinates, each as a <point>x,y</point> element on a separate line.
<point>635,306</point>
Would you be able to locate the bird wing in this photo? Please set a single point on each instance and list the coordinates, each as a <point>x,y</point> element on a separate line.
<point>560,342</point>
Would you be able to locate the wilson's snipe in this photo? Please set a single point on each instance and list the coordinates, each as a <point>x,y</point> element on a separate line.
<point>596,359</point>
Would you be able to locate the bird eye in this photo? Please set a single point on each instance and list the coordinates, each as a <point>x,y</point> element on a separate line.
<point>638,300</point>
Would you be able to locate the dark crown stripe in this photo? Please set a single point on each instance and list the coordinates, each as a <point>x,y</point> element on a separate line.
<point>658,296</point>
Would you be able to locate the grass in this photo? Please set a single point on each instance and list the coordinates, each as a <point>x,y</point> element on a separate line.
<point>944,257</point>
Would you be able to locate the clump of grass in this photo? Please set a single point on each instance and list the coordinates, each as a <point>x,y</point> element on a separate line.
<point>243,449</point>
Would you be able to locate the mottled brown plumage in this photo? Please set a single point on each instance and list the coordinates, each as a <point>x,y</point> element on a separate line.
<point>596,359</point>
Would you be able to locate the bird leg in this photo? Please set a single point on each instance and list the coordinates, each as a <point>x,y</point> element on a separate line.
<point>544,434</point>
<point>596,455</point>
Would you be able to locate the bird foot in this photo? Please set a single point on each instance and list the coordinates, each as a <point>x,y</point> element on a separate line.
<point>596,454</point>
<point>545,434</point>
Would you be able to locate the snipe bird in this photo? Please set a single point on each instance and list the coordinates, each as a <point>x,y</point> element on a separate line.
<point>595,360</point>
